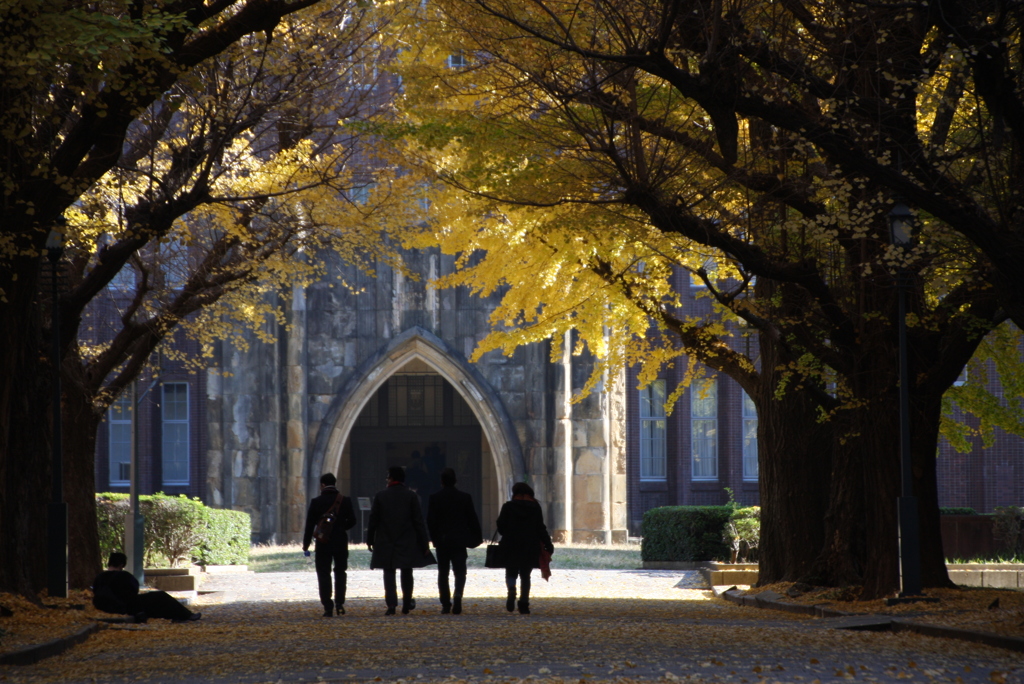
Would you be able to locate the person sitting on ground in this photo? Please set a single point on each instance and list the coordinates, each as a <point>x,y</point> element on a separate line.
<point>116,591</point>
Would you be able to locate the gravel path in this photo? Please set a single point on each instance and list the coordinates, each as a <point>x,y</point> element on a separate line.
<point>587,625</point>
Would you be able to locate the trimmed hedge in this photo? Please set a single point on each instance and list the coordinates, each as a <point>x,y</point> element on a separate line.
<point>229,537</point>
<point>686,533</point>
<point>957,510</point>
<point>177,529</point>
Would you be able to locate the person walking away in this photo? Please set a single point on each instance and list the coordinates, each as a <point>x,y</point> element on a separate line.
<point>334,550</point>
<point>115,590</point>
<point>453,526</point>
<point>397,538</point>
<point>523,533</point>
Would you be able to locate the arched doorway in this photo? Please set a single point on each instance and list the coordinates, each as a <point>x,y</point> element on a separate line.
<point>417,420</point>
<point>418,353</point>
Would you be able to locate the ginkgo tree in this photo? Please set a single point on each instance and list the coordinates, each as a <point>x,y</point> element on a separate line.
<point>201,158</point>
<point>233,187</point>
<point>590,150</point>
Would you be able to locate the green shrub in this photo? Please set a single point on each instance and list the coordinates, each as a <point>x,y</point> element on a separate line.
<point>228,540</point>
<point>111,513</point>
<point>957,510</point>
<point>1008,529</point>
<point>175,525</point>
<point>686,533</point>
<point>743,533</point>
<point>177,529</point>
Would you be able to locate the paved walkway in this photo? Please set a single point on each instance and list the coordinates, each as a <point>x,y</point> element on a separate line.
<point>480,583</point>
<point>586,626</point>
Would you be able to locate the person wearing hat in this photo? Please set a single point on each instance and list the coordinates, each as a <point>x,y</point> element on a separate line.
<point>453,526</point>
<point>397,538</point>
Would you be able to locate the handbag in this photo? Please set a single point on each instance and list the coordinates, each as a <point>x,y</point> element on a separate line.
<point>324,526</point>
<point>495,556</point>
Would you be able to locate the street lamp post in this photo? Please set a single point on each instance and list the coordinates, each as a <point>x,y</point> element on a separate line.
<point>900,224</point>
<point>57,513</point>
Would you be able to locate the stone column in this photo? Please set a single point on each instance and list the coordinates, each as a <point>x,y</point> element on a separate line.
<point>294,476</point>
<point>218,473</point>
<point>567,462</point>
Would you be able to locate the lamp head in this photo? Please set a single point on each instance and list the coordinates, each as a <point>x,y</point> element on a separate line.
<point>901,224</point>
<point>55,240</point>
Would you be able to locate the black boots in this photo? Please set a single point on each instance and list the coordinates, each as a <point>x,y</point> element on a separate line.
<point>524,606</point>
<point>510,602</point>
<point>329,609</point>
<point>457,606</point>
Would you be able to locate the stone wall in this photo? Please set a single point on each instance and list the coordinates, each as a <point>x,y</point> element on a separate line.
<point>278,415</point>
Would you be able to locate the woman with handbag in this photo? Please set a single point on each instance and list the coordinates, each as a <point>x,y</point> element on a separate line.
<point>523,535</point>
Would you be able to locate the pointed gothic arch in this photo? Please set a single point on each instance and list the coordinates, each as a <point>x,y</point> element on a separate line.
<point>416,344</point>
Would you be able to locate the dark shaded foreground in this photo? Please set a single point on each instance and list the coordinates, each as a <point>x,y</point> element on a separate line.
<point>691,638</point>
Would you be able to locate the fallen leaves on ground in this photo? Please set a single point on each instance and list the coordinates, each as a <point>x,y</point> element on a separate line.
<point>971,608</point>
<point>31,624</point>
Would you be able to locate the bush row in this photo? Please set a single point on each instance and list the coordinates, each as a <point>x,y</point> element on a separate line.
<point>957,510</point>
<point>177,529</point>
<point>700,533</point>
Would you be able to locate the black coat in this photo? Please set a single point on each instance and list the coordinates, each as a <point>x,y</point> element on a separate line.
<point>115,591</point>
<point>521,524</point>
<point>452,519</point>
<point>345,520</point>
<point>396,530</point>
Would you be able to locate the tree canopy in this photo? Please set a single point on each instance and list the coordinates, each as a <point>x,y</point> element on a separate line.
<point>199,154</point>
<point>592,150</point>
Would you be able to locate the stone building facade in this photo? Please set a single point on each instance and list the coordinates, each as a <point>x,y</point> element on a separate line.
<point>375,373</point>
<point>369,372</point>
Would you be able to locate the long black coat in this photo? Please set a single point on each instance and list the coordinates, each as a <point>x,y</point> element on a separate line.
<point>522,528</point>
<point>345,520</point>
<point>452,519</point>
<point>396,530</point>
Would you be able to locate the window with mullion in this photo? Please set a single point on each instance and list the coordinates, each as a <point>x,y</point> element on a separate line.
<point>175,442</point>
<point>750,467</point>
<point>704,429</point>
<point>653,458</point>
<point>119,423</point>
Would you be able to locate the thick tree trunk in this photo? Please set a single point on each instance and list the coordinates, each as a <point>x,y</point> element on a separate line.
<point>927,412</point>
<point>24,435</point>
<point>862,525</point>
<point>795,468</point>
<point>80,424</point>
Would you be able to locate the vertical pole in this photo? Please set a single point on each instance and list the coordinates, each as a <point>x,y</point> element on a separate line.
<point>567,460</point>
<point>910,543</point>
<point>134,525</point>
<point>57,513</point>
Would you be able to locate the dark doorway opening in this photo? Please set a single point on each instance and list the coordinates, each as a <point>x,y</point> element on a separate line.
<point>420,422</point>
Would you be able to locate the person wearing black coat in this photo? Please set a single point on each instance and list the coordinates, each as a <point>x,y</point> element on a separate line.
<point>453,526</point>
<point>523,533</point>
<point>335,550</point>
<point>397,538</point>
<point>115,590</point>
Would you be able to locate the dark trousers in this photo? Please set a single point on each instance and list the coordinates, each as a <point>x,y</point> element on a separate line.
<point>160,604</point>
<point>390,592</point>
<point>455,558</point>
<point>323,559</point>
<point>523,573</point>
